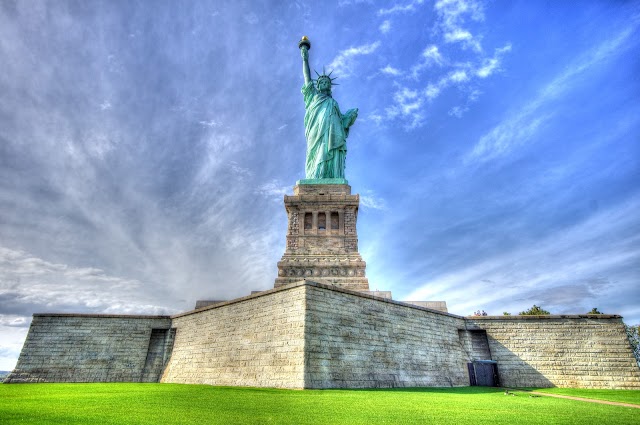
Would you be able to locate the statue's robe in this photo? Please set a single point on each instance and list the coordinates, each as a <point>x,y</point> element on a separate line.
<point>326,130</point>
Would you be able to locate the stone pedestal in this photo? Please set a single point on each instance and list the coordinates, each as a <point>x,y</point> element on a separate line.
<point>322,240</point>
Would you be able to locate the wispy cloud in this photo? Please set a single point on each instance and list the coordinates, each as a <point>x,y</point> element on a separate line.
<point>454,15</point>
<point>400,8</point>
<point>273,190</point>
<point>489,66</point>
<point>521,126</point>
<point>369,199</point>
<point>390,70</point>
<point>343,63</point>
<point>430,56</point>
<point>582,258</point>
<point>407,103</point>
<point>28,282</point>
<point>437,62</point>
<point>210,123</point>
<point>385,27</point>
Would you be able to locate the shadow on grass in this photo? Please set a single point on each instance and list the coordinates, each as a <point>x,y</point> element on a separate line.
<point>436,390</point>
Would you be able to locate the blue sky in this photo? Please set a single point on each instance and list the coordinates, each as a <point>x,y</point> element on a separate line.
<point>145,148</point>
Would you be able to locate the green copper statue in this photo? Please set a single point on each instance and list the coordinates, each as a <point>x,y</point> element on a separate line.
<point>326,128</point>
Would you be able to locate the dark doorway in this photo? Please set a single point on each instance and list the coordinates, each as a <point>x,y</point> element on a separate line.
<point>158,354</point>
<point>483,373</point>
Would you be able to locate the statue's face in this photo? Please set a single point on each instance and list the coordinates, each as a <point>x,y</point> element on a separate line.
<point>324,84</point>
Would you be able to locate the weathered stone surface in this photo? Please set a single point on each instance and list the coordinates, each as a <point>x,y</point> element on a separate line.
<point>90,348</point>
<point>434,305</point>
<point>322,239</point>
<point>206,303</point>
<point>311,335</point>
<point>587,351</point>
<point>354,340</point>
<point>253,341</point>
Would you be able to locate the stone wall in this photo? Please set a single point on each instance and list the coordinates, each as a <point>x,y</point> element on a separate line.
<point>564,351</point>
<point>252,341</point>
<point>354,340</point>
<point>313,335</point>
<point>91,348</point>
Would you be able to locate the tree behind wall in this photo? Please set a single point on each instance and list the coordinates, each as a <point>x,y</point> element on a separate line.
<point>534,311</point>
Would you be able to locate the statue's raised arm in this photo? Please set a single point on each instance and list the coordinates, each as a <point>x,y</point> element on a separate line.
<point>305,45</point>
<point>326,128</point>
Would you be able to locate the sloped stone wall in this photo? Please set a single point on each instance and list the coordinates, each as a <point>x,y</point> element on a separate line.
<point>251,341</point>
<point>312,335</point>
<point>354,340</point>
<point>86,348</point>
<point>564,351</point>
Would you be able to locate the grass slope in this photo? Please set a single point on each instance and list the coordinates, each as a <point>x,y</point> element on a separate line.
<point>188,404</point>
<point>628,396</point>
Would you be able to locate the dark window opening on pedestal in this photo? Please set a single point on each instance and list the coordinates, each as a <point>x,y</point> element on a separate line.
<point>335,221</point>
<point>308,220</point>
<point>322,221</point>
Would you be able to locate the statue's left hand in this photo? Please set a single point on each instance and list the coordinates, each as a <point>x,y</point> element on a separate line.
<point>350,117</point>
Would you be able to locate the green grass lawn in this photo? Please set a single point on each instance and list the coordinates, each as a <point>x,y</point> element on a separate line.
<point>629,396</point>
<point>200,404</point>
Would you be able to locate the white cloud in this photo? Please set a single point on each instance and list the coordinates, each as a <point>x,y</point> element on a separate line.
<point>452,20</point>
<point>343,3</point>
<point>453,16</point>
<point>369,199</point>
<point>343,62</point>
<point>274,190</point>
<point>400,8</point>
<point>389,70</point>
<point>491,65</point>
<point>251,18</point>
<point>458,76</point>
<point>522,125</point>
<point>458,111</point>
<point>385,27</point>
<point>210,123</point>
<point>515,131</point>
<point>377,118</point>
<point>433,53</point>
<point>12,320</point>
<point>432,91</point>
<point>458,35</point>
<point>12,340</point>
<point>430,56</point>
<point>27,281</point>
<point>407,105</point>
<point>579,258</point>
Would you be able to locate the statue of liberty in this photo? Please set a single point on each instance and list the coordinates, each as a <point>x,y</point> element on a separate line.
<point>326,128</point>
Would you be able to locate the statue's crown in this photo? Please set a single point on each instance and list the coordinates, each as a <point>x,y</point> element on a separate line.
<point>325,75</point>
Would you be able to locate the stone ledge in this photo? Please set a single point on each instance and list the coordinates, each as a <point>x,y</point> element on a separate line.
<point>340,181</point>
<point>101,316</point>
<point>386,300</point>
<point>255,294</point>
<point>306,282</point>
<point>546,317</point>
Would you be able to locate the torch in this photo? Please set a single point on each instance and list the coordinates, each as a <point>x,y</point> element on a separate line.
<point>304,42</point>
